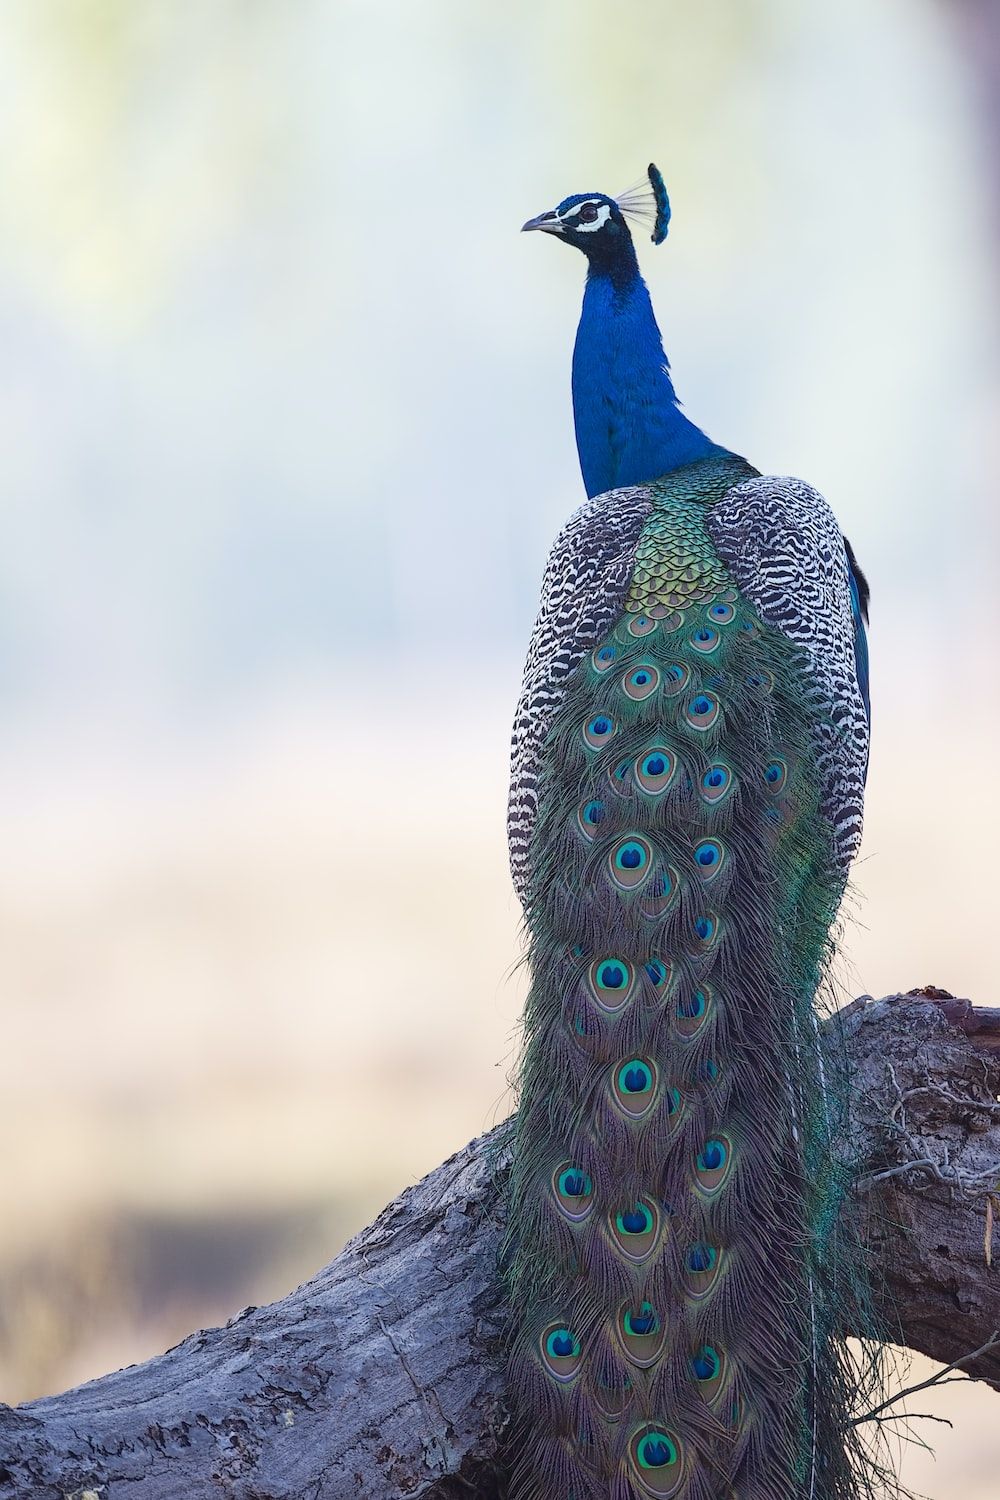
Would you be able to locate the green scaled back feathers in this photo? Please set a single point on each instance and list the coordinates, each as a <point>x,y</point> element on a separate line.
<point>673,1191</point>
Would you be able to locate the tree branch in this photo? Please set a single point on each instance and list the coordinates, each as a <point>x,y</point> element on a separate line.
<point>379,1378</point>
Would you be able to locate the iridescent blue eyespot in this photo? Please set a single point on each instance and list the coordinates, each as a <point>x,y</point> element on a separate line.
<point>630,863</point>
<point>589,816</point>
<point>692,1005</point>
<point>561,1344</point>
<point>721,613</point>
<point>708,858</point>
<point>716,783</point>
<point>654,771</point>
<point>775,775</point>
<point>656,971</point>
<point>702,711</point>
<point>618,777</point>
<point>642,1321</point>
<point>712,1156</point>
<point>706,1364</point>
<point>676,678</point>
<point>641,625</point>
<point>705,639</point>
<point>599,730</point>
<point>656,1450</point>
<point>640,682</point>
<point>604,657</point>
<point>610,983</point>
<point>634,1086</point>
<point>574,1183</point>
<point>701,1257</point>
<point>635,1078</point>
<point>637,1220</point>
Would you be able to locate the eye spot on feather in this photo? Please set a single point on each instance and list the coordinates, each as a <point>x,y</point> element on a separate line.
<point>713,1164</point>
<point>619,777</point>
<point>706,931</point>
<point>761,681</point>
<point>560,1351</point>
<point>641,682</point>
<point>708,1366</point>
<point>655,770</point>
<point>599,731</point>
<point>709,857</point>
<point>641,625</point>
<point>775,776</point>
<point>640,1322</point>
<point>604,657</point>
<point>610,982</point>
<point>706,640</point>
<point>641,1333</point>
<point>693,1010</point>
<point>589,816</point>
<point>702,711</point>
<point>636,1229</point>
<point>574,1192</point>
<point>676,678</point>
<point>702,1267</point>
<point>656,1461</point>
<point>634,1086</point>
<point>630,863</point>
<point>717,783</point>
<point>721,613</point>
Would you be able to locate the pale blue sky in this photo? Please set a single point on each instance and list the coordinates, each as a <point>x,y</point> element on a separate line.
<point>281,387</point>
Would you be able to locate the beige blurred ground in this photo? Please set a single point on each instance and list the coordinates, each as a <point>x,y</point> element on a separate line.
<point>283,405</point>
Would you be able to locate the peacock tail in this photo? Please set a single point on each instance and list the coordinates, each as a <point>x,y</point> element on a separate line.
<point>674,1199</point>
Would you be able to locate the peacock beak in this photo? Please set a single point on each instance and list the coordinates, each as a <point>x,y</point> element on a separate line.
<point>549,222</point>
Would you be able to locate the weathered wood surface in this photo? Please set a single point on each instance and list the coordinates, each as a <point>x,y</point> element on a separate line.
<point>378,1378</point>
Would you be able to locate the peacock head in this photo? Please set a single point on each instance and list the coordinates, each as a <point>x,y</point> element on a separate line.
<point>596,224</point>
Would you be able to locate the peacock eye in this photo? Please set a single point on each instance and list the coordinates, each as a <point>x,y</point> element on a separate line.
<point>588,212</point>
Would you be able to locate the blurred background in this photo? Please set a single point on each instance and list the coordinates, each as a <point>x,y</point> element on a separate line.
<point>286,431</point>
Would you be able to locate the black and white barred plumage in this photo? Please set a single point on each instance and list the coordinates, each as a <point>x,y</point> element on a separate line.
<point>780,540</point>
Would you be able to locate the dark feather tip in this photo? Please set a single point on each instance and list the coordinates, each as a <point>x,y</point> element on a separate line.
<point>662,204</point>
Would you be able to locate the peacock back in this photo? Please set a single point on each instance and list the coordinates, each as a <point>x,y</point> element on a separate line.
<point>688,769</point>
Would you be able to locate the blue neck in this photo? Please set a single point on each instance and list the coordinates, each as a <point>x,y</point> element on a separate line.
<point>629,426</point>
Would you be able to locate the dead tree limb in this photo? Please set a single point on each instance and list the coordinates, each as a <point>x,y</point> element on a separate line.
<point>378,1378</point>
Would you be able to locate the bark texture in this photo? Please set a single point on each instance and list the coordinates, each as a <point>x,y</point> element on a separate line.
<point>379,1378</point>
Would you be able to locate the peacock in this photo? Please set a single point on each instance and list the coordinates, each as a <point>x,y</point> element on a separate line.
<point>689,758</point>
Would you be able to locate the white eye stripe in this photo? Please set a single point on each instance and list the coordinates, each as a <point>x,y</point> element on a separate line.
<point>603,215</point>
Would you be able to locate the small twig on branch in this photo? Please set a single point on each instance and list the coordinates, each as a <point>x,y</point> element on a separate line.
<point>993,1342</point>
